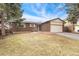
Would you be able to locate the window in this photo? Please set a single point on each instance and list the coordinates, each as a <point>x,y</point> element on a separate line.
<point>24,25</point>
<point>34,25</point>
<point>30,25</point>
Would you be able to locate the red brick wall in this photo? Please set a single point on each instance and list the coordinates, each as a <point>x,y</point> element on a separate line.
<point>45,27</point>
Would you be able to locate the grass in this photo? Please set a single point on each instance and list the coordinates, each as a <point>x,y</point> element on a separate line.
<point>38,44</point>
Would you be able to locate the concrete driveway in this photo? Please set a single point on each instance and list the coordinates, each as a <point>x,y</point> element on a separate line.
<point>69,35</point>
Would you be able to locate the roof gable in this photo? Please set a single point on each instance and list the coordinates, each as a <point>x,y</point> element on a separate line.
<point>54,20</point>
<point>57,20</point>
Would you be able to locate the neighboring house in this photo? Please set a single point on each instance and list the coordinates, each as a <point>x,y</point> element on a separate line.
<point>76,26</point>
<point>54,25</point>
<point>70,27</point>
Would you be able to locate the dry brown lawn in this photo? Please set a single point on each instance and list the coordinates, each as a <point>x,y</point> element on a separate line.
<point>36,44</point>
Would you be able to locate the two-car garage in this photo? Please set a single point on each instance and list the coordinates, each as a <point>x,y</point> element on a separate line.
<point>55,25</point>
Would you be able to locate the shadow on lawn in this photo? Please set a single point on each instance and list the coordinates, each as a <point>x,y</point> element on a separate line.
<point>14,33</point>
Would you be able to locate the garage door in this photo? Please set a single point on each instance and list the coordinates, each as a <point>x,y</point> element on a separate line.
<point>55,28</point>
<point>76,29</point>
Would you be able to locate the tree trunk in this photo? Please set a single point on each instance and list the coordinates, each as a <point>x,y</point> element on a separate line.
<point>2,27</point>
<point>73,27</point>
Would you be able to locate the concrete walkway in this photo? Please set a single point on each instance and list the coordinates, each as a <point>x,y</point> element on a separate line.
<point>69,35</point>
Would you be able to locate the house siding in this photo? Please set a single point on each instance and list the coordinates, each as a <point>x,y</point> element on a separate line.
<point>13,26</point>
<point>45,26</point>
<point>58,23</point>
<point>76,26</point>
<point>26,27</point>
<point>34,28</point>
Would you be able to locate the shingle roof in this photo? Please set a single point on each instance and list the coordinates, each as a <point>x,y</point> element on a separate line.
<point>53,20</point>
<point>31,22</point>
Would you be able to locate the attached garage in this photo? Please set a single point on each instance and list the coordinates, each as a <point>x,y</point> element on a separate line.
<point>55,28</point>
<point>54,25</point>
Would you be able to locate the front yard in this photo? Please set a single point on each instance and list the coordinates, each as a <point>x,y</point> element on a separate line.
<point>38,44</point>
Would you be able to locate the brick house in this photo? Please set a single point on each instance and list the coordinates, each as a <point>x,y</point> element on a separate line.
<point>25,26</point>
<point>54,25</point>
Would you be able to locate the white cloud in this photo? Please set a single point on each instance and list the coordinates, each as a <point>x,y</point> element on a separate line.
<point>37,19</point>
<point>43,15</point>
<point>33,18</point>
<point>40,10</point>
<point>34,9</point>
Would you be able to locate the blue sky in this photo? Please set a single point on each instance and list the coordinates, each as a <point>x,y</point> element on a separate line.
<point>40,12</point>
